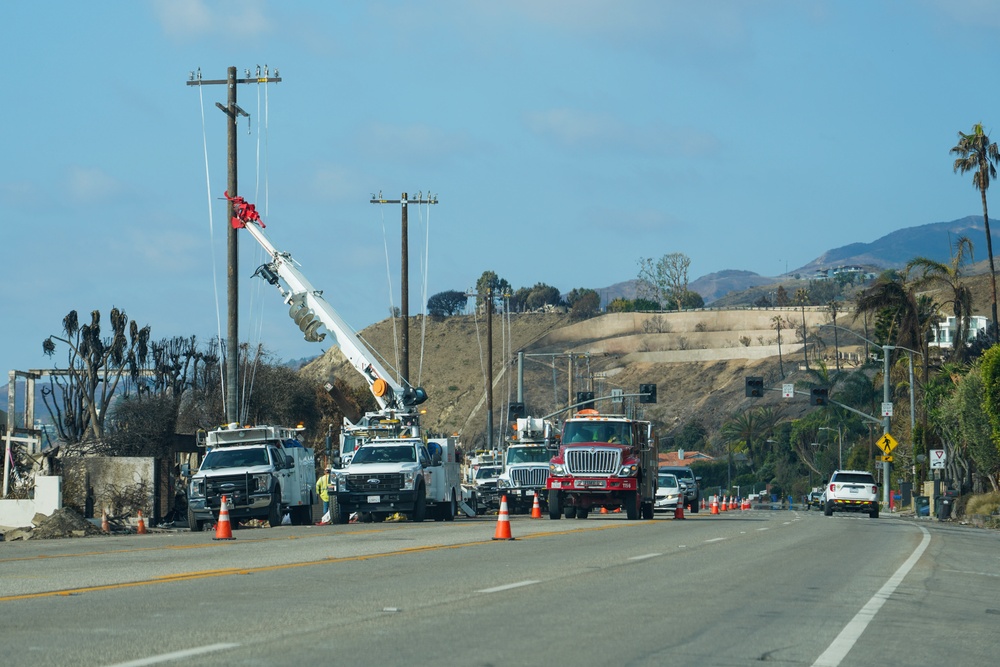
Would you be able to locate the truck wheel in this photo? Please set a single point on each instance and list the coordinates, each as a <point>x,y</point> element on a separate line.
<point>419,506</point>
<point>570,512</point>
<point>451,509</point>
<point>582,513</point>
<point>342,513</point>
<point>631,503</point>
<point>874,511</point>
<point>194,525</point>
<point>828,509</point>
<point>274,511</point>
<point>555,508</point>
<point>695,506</point>
<point>647,511</point>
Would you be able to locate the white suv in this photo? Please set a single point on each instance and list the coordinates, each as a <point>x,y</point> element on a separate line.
<point>851,491</point>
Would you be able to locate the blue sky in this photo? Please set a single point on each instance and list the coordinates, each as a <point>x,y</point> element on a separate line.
<point>565,141</point>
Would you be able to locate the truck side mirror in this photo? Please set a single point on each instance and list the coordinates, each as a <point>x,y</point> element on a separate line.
<point>289,464</point>
<point>436,459</point>
<point>186,470</point>
<point>337,461</point>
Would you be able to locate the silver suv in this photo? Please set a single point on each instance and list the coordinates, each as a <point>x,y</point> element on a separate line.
<point>851,491</point>
<point>688,480</point>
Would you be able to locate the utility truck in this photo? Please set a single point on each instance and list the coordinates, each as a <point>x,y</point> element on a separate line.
<point>603,461</point>
<point>399,475</point>
<point>263,471</point>
<point>526,464</point>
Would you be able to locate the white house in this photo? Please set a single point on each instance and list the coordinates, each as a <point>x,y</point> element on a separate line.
<point>944,332</point>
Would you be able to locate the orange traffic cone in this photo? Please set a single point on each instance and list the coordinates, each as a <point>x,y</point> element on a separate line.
<point>105,526</point>
<point>604,510</point>
<point>141,530</point>
<point>223,531</point>
<point>715,505</point>
<point>503,522</point>
<point>536,509</point>
<point>679,511</point>
<point>703,503</point>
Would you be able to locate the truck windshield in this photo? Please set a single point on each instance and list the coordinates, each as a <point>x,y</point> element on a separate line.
<point>610,432</point>
<point>527,455</point>
<point>385,454</point>
<point>240,458</point>
<point>487,473</point>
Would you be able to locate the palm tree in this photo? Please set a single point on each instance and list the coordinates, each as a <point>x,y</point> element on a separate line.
<point>776,324</point>
<point>950,276</point>
<point>834,308</point>
<point>977,154</point>
<point>802,298</point>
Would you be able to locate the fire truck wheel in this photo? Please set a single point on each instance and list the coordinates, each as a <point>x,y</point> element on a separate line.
<point>570,512</point>
<point>647,511</point>
<point>631,503</point>
<point>274,511</point>
<point>582,513</point>
<point>555,507</point>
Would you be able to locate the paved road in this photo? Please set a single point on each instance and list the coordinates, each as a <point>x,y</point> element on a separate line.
<point>743,587</point>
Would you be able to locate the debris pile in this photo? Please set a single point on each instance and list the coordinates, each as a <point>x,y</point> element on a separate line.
<point>63,522</point>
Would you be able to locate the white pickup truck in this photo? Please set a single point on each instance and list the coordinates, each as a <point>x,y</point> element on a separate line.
<point>399,475</point>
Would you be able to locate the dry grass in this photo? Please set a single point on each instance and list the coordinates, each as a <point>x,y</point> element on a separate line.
<point>985,504</point>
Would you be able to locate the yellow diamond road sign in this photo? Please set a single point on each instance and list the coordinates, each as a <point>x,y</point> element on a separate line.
<point>887,443</point>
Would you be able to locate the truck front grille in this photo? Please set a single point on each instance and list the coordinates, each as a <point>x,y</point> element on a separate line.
<point>529,476</point>
<point>593,461</point>
<point>228,485</point>
<point>390,481</point>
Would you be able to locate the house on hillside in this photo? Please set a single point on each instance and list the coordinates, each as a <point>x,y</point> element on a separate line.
<point>944,332</point>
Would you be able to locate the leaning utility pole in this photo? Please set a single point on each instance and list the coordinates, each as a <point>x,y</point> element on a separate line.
<point>233,112</point>
<point>404,272</point>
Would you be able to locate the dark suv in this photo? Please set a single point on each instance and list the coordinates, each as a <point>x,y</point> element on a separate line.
<point>687,479</point>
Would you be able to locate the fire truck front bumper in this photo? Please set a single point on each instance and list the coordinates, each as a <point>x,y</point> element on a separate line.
<point>592,484</point>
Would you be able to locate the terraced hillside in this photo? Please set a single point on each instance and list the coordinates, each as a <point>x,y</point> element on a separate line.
<point>698,360</point>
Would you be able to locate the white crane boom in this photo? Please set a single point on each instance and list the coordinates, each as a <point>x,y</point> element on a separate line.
<point>311,311</point>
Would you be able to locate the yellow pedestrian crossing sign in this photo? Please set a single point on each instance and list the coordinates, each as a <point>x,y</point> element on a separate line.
<point>887,443</point>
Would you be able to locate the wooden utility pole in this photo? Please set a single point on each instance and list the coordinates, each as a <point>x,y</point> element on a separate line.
<point>404,271</point>
<point>233,112</point>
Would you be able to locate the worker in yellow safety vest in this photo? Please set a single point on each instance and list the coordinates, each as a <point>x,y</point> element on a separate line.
<point>322,490</point>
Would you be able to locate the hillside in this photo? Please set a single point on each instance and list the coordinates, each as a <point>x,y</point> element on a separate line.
<point>696,359</point>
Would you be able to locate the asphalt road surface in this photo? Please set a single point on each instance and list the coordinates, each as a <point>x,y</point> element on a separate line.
<point>783,587</point>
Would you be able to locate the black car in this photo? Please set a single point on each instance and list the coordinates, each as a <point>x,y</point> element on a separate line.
<point>690,482</point>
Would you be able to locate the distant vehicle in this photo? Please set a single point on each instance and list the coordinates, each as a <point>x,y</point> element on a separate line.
<point>851,491</point>
<point>814,499</point>
<point>668,493</point>
<point>687,478</point>
<point>485,482</point>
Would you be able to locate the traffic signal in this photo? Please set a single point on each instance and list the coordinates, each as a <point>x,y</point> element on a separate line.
<point>585,397</point>
<point>515,411</point>
<point>817,396</point>
<point>755,387</point>
<point>647,393</point>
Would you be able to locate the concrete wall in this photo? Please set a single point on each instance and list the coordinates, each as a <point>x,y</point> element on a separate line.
<point>48,498</point>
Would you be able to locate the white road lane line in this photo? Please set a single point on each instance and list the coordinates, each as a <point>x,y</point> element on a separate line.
<point>845,641</point>
<point>644,556</point>
<point>507,587</point>
<point>176,655</point>
<point>715,539</point>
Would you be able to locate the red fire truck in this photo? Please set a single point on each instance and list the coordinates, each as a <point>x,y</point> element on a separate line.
<point>606,461</point>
